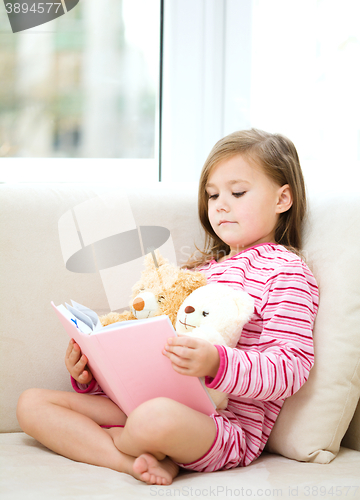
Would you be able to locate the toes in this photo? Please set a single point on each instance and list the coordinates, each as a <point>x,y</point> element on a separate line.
<point>140,465</point>
<point>146,477</point>
<point>151,471</point>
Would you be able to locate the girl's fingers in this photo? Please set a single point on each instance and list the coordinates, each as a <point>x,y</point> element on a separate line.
<point>80,365</point>
<point>183,340</point>
<point>179,369</point>
<point>76,362</point>
<point>75,354</point>
<point>176,360</point>
<point>180,352</point>
<point>69,349</point>
<point>182,346</point>
<point>82,378</point>
<point>180,364</point>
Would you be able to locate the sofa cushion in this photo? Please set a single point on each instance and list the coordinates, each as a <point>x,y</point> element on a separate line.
<point>30,471</point>
<point>312,423</point>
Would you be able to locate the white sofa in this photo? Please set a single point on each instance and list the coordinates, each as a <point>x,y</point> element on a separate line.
<point>303,458</point>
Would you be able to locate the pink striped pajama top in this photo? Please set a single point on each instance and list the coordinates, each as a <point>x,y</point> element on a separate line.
<point>273,357</point>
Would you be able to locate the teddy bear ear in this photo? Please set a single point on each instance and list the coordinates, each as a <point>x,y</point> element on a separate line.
<point>194,279</point>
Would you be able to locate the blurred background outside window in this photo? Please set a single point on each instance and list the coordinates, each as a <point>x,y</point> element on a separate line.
<point>85,85</point>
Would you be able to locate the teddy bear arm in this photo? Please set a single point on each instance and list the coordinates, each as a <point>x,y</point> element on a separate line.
<point>114,317</point>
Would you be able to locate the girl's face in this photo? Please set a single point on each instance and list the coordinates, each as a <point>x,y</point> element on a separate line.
<point>244,203</point>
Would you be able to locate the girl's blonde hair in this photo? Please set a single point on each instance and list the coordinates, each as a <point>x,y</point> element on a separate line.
<point>278,157</point>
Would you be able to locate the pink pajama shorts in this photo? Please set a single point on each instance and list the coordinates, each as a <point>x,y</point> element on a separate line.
<point>227,451</point>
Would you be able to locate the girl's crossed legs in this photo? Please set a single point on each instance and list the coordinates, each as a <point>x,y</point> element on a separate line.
<point>155,435</point>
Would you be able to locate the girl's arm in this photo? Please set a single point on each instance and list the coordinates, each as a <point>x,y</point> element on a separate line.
<point>280,361</point>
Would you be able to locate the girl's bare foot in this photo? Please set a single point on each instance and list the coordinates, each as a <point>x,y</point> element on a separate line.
<point>152,471</point>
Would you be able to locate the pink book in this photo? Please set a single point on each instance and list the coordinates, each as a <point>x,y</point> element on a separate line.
<point>127,362</point>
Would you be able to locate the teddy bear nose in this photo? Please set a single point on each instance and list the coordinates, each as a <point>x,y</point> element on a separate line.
<point>138,304</point>
<point>189,309</point>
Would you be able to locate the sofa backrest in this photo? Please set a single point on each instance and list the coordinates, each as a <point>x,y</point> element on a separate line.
<point>34,219</point>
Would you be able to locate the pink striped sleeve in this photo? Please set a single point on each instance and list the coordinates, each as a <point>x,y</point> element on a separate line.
<point>279,362</point>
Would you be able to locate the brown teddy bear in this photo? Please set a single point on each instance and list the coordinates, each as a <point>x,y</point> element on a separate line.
<point>161,289</point>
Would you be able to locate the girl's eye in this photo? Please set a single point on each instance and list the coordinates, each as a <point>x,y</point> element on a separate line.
<point>213,196</point>
<point>237,195</point>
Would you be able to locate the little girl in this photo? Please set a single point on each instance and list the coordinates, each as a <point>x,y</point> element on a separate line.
<point>251,205</point>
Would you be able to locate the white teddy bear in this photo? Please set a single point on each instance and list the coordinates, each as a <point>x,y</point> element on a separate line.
<point>216,313</point>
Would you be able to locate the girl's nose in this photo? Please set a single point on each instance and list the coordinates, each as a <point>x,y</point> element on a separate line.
<point>221,204</point>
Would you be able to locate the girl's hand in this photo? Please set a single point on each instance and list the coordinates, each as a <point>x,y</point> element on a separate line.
<point>76,363</point>
<point>192,356</point>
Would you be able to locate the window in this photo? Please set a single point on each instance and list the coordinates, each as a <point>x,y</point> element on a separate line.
<point>85,87</point>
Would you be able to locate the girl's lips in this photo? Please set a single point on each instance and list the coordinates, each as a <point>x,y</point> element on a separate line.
<point>226,222</point>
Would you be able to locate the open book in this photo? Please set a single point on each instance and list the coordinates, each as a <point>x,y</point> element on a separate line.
<point>126,359</point>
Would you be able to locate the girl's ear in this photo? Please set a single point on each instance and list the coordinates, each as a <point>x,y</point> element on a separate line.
<point>285,199</point>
